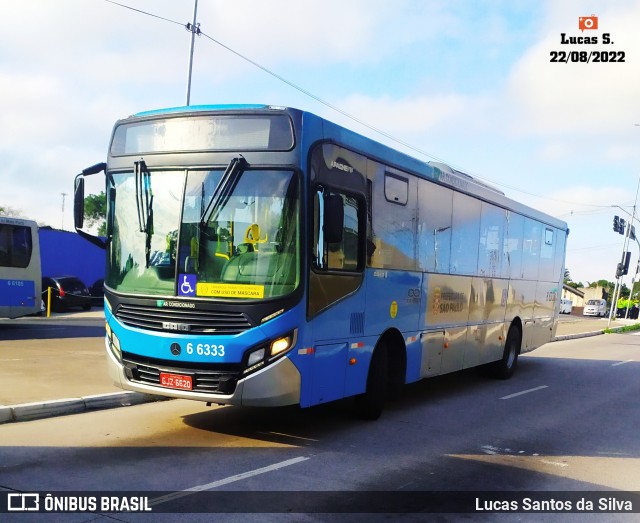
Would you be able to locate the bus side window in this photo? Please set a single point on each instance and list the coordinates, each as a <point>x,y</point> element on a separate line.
<point>513,252</point>
<point>15,246</point>
<point>531,249</point>
<point>5,242</point>
<point>492,232</point>
<point>465,235</point>
<point>547,255</point>
<point>343,254</point>
<point>435,209</point>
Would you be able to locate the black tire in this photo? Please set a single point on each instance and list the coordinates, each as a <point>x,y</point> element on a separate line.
<point>504,368</point>
<point>56,306</point>
<point>397,371</point>
<point>86,307</point>
<point>369,405</point>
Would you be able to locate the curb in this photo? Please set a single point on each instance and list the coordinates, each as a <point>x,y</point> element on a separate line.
<point>52,408</point>
<point>578,335</point>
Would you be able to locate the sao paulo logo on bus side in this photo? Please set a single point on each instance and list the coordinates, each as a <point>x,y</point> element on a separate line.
<point>437,298</point>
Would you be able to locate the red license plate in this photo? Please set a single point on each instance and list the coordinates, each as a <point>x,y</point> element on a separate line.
<point>176,381</point>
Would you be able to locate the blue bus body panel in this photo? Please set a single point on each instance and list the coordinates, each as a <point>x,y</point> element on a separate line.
<point>17,293</point>
<point>394,301</point>
<point>341,339</point>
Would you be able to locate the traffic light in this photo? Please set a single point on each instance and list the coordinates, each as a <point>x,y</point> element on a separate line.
<point>623,267</point>
<point>632,234</point>
<point>619,224</point>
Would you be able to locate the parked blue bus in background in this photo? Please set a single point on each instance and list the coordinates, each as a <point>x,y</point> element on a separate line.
<point>20,273</point>
<point>265,256</point>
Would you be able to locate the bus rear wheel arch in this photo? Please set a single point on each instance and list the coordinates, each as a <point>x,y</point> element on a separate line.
<point>386,376</point>
<point>505,367</point>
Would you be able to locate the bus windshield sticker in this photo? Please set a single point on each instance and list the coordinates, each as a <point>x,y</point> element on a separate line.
<point>226,290</point>
<point>187,285</point>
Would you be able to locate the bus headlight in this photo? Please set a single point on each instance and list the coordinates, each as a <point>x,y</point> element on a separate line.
<point>258,357</point>
<point>282,345</point>
<point>255,360</point>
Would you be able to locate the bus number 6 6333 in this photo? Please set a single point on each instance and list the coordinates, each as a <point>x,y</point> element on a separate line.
<point>204,349</point>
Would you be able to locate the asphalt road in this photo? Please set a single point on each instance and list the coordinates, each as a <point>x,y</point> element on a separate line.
<point>567,421</point>
<point>57,327</point>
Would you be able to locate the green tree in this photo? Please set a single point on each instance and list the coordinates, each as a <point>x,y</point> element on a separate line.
<point>95,212</point>
<point>569,282</point>
<point>5,210</point>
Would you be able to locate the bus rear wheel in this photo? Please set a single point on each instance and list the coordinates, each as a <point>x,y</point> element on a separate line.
<point>369,405</point>
<point>504,368</point>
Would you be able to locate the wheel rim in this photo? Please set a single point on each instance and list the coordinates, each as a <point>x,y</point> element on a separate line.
<point>511,356</point>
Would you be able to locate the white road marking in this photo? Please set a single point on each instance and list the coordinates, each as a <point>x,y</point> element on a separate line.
<point>554,463</point>
<point>523,392</point>
<point>226,481</point>
<point>287,436</point>
<point>491,450</point>
<point>621,363</point>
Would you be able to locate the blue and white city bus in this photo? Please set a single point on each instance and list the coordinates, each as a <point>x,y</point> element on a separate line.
<point>264,256</point>
<point>20,272</point>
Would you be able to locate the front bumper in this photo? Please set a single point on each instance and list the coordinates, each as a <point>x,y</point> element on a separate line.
<point>276,385</point>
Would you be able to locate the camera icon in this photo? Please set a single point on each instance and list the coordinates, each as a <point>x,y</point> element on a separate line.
<point>588,22</point>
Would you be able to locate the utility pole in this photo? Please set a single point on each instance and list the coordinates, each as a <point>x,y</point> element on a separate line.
<point>194,28</point>
<point>64,194</point>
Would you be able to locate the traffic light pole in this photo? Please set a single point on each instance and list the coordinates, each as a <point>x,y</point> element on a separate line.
<point>614,302</point>
<point>633,282</point>
<point>618,287</point>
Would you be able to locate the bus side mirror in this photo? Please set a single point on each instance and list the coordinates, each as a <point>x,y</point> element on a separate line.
<point>333,226</point>
<point>78,202</point>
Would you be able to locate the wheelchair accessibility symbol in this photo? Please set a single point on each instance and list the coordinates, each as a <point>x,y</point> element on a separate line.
<point>187,285</point>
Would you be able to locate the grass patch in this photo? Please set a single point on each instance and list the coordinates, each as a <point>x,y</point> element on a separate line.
<point>626,328</point>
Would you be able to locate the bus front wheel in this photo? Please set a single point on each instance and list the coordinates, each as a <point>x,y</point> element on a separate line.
<point>369,405</point>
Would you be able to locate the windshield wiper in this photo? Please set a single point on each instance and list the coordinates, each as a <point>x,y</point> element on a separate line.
<point>223,190</point>
<point>144,204</point>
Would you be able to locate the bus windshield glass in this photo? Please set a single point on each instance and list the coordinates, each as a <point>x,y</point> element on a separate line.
<point>204,133</point>
<point>165,244</point>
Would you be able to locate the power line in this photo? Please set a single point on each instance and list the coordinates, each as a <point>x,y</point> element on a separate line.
<point>594,248</point>
<point>199,32</point>
<point>145,13</point>
<point>289,83</point>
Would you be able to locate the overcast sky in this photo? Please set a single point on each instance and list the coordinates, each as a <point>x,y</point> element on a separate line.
<point>467,82</point>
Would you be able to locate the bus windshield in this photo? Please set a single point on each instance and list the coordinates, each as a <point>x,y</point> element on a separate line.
<point>166,244</point>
